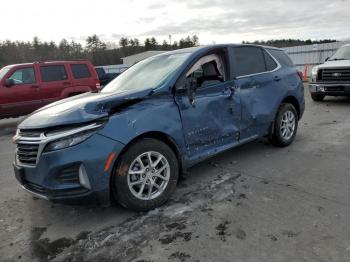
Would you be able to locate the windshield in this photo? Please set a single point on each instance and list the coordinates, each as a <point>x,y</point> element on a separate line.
<point>343,53</point>
<point>149,73</point>
<point>4,70</point>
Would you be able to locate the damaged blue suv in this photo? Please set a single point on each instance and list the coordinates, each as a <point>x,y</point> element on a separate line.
<point>131,141</point>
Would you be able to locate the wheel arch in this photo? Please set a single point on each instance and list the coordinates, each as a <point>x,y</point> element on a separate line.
<point>287,100</point>
<point>168,140</point>
<point>294,101</point>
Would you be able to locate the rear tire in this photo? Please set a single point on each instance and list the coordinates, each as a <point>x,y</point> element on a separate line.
<point>317,97</point>
<point>141,186</point>
<point>285,126</point>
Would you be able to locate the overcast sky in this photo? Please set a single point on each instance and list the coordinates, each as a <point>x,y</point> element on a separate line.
<point>216,21</point>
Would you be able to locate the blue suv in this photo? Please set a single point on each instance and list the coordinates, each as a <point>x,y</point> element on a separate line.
<point>131,141</point>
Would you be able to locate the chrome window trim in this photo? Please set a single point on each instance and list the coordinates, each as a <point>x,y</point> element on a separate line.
<point>43,140</point>
<point>265,72</point>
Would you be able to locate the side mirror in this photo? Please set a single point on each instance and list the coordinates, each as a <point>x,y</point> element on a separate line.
<point>9,82</point>
<point>191,85</point>
<point>327,59</point>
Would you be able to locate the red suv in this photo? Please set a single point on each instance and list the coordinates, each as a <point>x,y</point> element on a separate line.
<point>27,87</point>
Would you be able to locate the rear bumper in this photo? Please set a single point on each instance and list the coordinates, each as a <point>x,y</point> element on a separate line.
<point>56,177</point>
<point>330,89</point>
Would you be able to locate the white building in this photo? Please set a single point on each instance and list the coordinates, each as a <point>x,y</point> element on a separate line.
<point>305,57</point>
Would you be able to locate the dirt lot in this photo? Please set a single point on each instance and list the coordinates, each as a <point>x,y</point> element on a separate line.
<point>253,203</point>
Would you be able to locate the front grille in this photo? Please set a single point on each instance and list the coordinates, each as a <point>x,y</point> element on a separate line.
<point>334,74</point>
<point>29,133</point>
<point>27,153</point>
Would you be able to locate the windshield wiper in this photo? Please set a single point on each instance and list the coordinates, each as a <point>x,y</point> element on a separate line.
<point>337,59</point>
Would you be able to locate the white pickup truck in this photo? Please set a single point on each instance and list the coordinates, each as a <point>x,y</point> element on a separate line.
<point>333,77</point>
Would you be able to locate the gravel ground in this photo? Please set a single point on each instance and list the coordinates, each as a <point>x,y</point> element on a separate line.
<point>252,203</point>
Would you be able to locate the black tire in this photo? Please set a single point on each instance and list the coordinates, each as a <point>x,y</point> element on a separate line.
<point>317,97</point>
<point>121,191</point>
<point>277,137</point>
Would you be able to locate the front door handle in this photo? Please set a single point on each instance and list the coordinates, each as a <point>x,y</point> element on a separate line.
<point>34,86</point>
<point>277,78</point>
<point>66,83</point>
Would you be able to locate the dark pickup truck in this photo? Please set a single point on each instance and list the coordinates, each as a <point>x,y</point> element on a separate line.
<point>105,77</point>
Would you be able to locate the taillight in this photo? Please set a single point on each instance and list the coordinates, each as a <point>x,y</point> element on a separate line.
<point>98,85</point>
<point>300,74</point>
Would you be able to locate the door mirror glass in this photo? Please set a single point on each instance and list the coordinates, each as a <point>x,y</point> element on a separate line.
<point>9,82</point>
<point>191,86</point>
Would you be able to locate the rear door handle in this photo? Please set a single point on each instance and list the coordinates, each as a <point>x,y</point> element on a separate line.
<point>34,86</point>
<point>66,83</point>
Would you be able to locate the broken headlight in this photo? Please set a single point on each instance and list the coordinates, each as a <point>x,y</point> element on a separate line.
<point>68,141</point>
<point>61,139</point>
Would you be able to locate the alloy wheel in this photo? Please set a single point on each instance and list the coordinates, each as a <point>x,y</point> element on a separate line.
<point>287,127</point>
<point>148,175</point>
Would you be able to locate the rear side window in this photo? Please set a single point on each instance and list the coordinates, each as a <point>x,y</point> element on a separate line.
<point>80,71</point>
<point>53,73</point>
<point>248,60</point>
<point>270,63</point>
<point>282,57</point>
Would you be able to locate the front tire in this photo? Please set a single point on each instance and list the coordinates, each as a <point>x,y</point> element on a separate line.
<point>146,175</point>
<point>317,97</point>
<point>285,126</point>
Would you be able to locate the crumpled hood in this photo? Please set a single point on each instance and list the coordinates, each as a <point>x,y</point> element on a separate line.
<point>334,64</point>
<point>79,109</point>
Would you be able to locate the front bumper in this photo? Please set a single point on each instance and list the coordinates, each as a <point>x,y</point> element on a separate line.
<point>330,89</point>
<point>56,175</point>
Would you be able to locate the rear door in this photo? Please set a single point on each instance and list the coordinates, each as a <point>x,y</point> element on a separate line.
<point>255,73</point>
<point>24,96</point>
<point>82,75</point>
<point>54,79</point>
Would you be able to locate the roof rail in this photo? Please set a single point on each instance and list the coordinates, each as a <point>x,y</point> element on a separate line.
<point>68,60</point>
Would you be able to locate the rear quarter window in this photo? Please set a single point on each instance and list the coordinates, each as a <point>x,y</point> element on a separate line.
<point>281,57</point>
<point>270,63</point>
<point>53,73</point>
<point>80,71</point>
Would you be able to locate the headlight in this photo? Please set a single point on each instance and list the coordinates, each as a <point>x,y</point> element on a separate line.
<point>69,141</point>
<point>314,72</point>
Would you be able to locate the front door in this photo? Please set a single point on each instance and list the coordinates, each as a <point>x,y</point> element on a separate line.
<point>23,96</point>
<point>211,121</point>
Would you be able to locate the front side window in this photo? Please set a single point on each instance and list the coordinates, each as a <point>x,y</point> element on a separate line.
<point>80,71</point>
<point>152,73</point>
<point>4,70</point>
<point>248,60</point>
<point>53,73</point>
<point>23,76</point>
<point>208,70</point>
